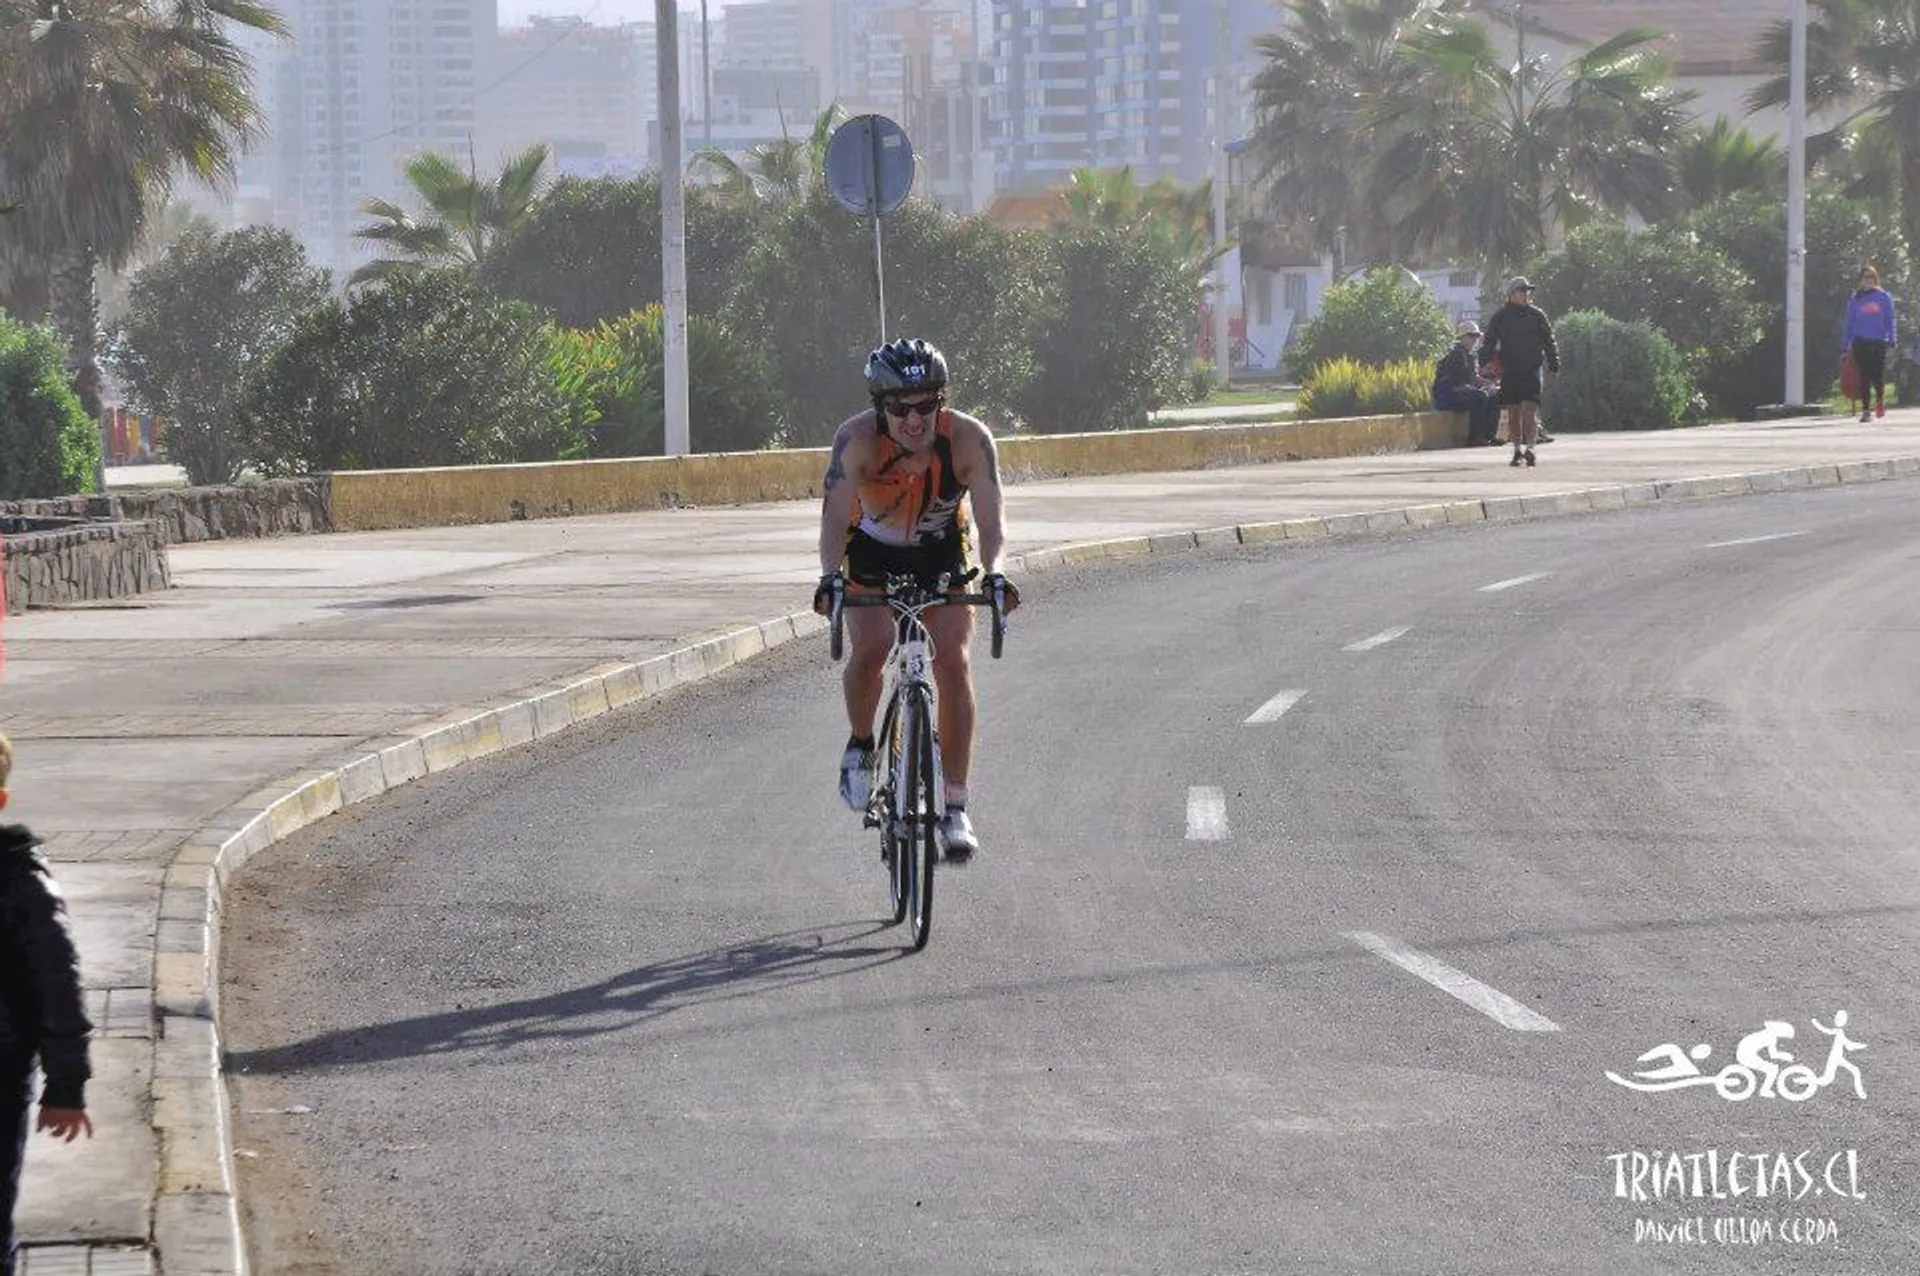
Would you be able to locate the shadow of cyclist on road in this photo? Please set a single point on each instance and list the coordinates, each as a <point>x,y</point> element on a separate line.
<point>623,1002</point>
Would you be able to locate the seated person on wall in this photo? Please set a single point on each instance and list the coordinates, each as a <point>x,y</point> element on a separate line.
<point>1459,387</point>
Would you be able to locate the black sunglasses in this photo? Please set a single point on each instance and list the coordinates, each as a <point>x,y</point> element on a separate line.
<point>903,410</point>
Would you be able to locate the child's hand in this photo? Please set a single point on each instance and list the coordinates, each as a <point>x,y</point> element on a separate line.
<point>66,1124</point>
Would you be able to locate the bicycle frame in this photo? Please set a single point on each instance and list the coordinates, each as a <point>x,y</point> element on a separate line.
<point>908,803</point>
<point>912,661</point>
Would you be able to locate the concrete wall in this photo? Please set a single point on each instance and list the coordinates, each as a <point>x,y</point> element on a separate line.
<point>370,500</point>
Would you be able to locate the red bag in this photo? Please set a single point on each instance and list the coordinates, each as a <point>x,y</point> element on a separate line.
<point>1849,376</point>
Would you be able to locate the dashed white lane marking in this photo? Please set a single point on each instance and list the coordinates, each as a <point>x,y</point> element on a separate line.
<point>1515,583</point>
<point>1378,640</point>
<point>1272,709</point>
<point>1206,815</point>
<point>1755,540</point>
<point>1489,1001</point>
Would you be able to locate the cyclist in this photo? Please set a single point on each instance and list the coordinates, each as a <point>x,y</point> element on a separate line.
<point>894,502</point>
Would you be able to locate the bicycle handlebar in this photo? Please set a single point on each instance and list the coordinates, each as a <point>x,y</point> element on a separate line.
<point>900,588</point>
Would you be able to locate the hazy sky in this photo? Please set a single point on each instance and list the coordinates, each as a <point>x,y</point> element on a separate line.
<point>601,12</point>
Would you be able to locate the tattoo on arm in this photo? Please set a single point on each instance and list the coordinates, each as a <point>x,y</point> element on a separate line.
<point>836,468</point>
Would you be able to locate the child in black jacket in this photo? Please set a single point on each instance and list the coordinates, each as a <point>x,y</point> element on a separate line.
<point>42,1010</point>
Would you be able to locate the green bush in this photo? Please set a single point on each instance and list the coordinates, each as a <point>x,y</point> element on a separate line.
<point>1615,376</point>
<point>200,322</point>
<point>1348,387</point>
<point>616,372</point>
<point>48,445</point>
<point>426,369</point>
<point>1704,302</point>
<point>589,252</point>
<point>1118,333</point>
<point>1380,319</point>
<point>1842,234</point>
<point>805,293</point>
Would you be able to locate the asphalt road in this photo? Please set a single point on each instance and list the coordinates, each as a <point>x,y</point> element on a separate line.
<point>1332,991</point>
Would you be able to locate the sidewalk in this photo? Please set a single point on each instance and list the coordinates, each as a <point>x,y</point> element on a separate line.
<point>159,741</point>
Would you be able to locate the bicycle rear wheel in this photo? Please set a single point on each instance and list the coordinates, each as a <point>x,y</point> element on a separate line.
<point>915,849</point>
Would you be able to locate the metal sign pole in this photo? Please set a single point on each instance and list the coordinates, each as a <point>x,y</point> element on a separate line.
<point>880,278</point>
<point>869,171</point>
<point>874,202</point>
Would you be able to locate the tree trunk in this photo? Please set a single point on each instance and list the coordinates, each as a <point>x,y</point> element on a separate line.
<point>23,288</point>
<point>1910,202</point>
<point>75,305</point>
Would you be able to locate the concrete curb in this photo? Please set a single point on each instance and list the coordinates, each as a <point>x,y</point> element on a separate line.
<point>196,1217</point>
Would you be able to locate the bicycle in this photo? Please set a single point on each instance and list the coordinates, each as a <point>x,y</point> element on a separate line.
<point>909,796</point>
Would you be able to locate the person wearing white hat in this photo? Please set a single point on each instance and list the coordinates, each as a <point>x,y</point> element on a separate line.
<point>1459,387</point>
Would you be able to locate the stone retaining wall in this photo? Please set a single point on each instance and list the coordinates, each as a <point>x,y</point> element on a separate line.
<point>283,507</point>
<point>54,562</point>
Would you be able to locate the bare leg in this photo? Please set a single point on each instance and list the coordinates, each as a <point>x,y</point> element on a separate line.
<point>952,631</point>
<point>871,631</point>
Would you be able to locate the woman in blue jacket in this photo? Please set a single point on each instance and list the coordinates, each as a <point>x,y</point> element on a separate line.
<point>1869,335</point>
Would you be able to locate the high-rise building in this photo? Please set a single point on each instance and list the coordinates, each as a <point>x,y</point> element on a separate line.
<point>577,88</point>
<point>376,83</point>
<point>1105,83</point>
<point>764,32</point>
<point>646,65</point>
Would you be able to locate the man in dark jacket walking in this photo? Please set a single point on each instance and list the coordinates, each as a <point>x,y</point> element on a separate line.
<point>42,1010</point>
<point>1522,339</point>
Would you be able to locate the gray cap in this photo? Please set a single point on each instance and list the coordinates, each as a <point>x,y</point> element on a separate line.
<point>1518,284</point>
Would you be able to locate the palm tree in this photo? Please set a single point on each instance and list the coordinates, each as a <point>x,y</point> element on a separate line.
<point>465,216</point>
<point>105,102</point>
<point>173,221</point>
<point>1180,217</point>
<point>1482,159</point>
<point>1863,59</point>
<point>1722,160</point>
<point>1310,101</point>
<point>774,174</point>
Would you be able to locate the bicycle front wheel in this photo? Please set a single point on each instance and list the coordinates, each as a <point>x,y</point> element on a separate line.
<point>893,744</point>
<point>915,848</point>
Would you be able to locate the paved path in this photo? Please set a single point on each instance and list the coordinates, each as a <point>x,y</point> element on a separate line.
<point>158,738</point>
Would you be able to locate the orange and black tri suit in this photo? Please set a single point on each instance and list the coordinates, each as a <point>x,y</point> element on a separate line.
<point>906,521</point>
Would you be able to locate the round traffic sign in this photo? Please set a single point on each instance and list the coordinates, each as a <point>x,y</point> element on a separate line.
<point>870,165</point>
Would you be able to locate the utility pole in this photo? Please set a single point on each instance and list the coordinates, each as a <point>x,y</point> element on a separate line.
<point>973,110</point>
<point>1797,210</point>
<point>1222,327</point>
<point>1520,61</point>
<point>673,224</point>
<point>706,73</point>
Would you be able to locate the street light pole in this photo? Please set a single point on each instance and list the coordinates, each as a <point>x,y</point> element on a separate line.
<point>1222,320</point>
<point>706,73</point>
<point>673,224</point>
<point>1520,60</point>
<point>1797,210</point>
<point>973,108</point>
